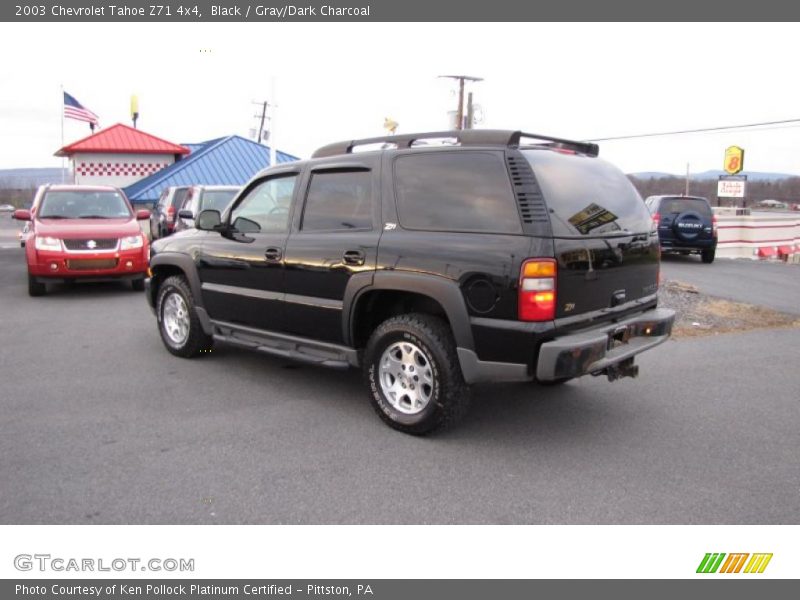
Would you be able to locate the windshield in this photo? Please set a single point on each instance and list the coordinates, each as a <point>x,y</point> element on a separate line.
<point>678,205</point>
<point>84,204</point>
<point>216,199</point>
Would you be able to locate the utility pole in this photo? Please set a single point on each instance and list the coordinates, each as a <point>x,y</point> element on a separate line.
<point>460,110</point>
<point>263,117</point>
<point>686,193</point>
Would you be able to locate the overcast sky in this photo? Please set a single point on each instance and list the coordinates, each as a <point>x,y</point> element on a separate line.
<point>338,81</point>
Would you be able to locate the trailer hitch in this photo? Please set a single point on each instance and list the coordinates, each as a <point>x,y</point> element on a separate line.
<point>626,368</point>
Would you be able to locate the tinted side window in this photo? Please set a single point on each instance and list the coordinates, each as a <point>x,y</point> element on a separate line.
<point>266,207</point>
<point>455,191</point>
<point>179,197</point>
<point>338,200</point>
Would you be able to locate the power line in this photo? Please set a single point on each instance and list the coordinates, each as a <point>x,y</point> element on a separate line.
<point>683,131</point>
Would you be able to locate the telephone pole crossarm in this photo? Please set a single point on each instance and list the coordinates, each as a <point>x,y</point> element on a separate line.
<point>460,111</point>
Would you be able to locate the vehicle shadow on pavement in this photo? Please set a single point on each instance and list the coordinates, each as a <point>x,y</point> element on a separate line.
<point>528,413</point>
<point>505,413</point>
<point>683,259</point>
<point>88,289</point>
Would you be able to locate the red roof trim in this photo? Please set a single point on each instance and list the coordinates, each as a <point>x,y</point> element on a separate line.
<point>122,139</point>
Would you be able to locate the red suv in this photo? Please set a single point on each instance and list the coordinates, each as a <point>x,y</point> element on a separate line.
<point>87,233</point>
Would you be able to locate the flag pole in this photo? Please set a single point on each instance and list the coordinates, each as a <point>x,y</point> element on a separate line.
<point>63,158</point>
<point>272,121</point>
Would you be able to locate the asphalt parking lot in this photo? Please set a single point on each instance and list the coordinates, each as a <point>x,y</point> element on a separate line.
<point>101,425</point>
<point>772,284</point>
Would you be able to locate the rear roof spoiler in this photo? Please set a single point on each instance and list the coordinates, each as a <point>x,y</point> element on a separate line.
<point>464,137</point>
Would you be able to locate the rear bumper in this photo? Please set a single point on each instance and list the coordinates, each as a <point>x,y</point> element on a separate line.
<point>589,351</point>
<point>696,245</point>
<point>597,349</point>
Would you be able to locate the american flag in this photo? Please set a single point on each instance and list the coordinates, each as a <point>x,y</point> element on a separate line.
<point>74,110</point>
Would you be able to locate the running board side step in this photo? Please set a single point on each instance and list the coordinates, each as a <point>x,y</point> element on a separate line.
<point>286,346</point>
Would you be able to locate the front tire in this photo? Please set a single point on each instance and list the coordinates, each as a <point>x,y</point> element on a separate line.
<point>137,285</point>
<point>35,288</point>
<point>413,374</point>
<point>177,319</point>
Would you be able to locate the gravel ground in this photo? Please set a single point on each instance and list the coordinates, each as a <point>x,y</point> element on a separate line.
<point>700,314</point>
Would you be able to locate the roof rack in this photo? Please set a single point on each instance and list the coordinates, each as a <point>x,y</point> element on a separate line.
<point>465,137</point>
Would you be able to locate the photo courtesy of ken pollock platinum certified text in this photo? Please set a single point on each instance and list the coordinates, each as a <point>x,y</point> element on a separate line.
<point>193,589</point>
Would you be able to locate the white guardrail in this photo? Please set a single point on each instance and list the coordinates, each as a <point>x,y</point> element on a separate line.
<point>758,235</point>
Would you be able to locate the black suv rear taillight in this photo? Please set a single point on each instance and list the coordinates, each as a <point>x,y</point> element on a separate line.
<point>537,290</point>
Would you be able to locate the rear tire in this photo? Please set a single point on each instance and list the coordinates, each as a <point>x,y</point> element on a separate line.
<point>35,288</point>
<point>707,256</point>
<point>177,319</point>
<point>413,374</point>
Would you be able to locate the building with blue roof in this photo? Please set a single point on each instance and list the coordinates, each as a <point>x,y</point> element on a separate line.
<point>231,160</point>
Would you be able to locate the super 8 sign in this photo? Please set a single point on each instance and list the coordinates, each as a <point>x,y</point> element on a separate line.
<point>734,159</point>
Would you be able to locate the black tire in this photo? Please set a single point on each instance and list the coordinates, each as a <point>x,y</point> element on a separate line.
<point>448,394</point>
<point>707,256</point>
<point>137,285</point>
<point>35,288</point>
<point>196,342</point>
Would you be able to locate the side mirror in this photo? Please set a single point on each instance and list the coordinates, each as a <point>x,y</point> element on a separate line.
<point>22,215</point>
<point>208,220</point>
<point>142,214</point>
<point>185,214</point>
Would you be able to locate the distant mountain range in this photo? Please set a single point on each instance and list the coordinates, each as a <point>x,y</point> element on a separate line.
<point>25,178</point>
<point>705,175</point>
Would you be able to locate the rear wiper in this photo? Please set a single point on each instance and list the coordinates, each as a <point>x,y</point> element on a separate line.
<point>53,217</point>
<point>94,217</point>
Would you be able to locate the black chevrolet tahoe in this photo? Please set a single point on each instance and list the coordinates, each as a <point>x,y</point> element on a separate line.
<point>430,261</point>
